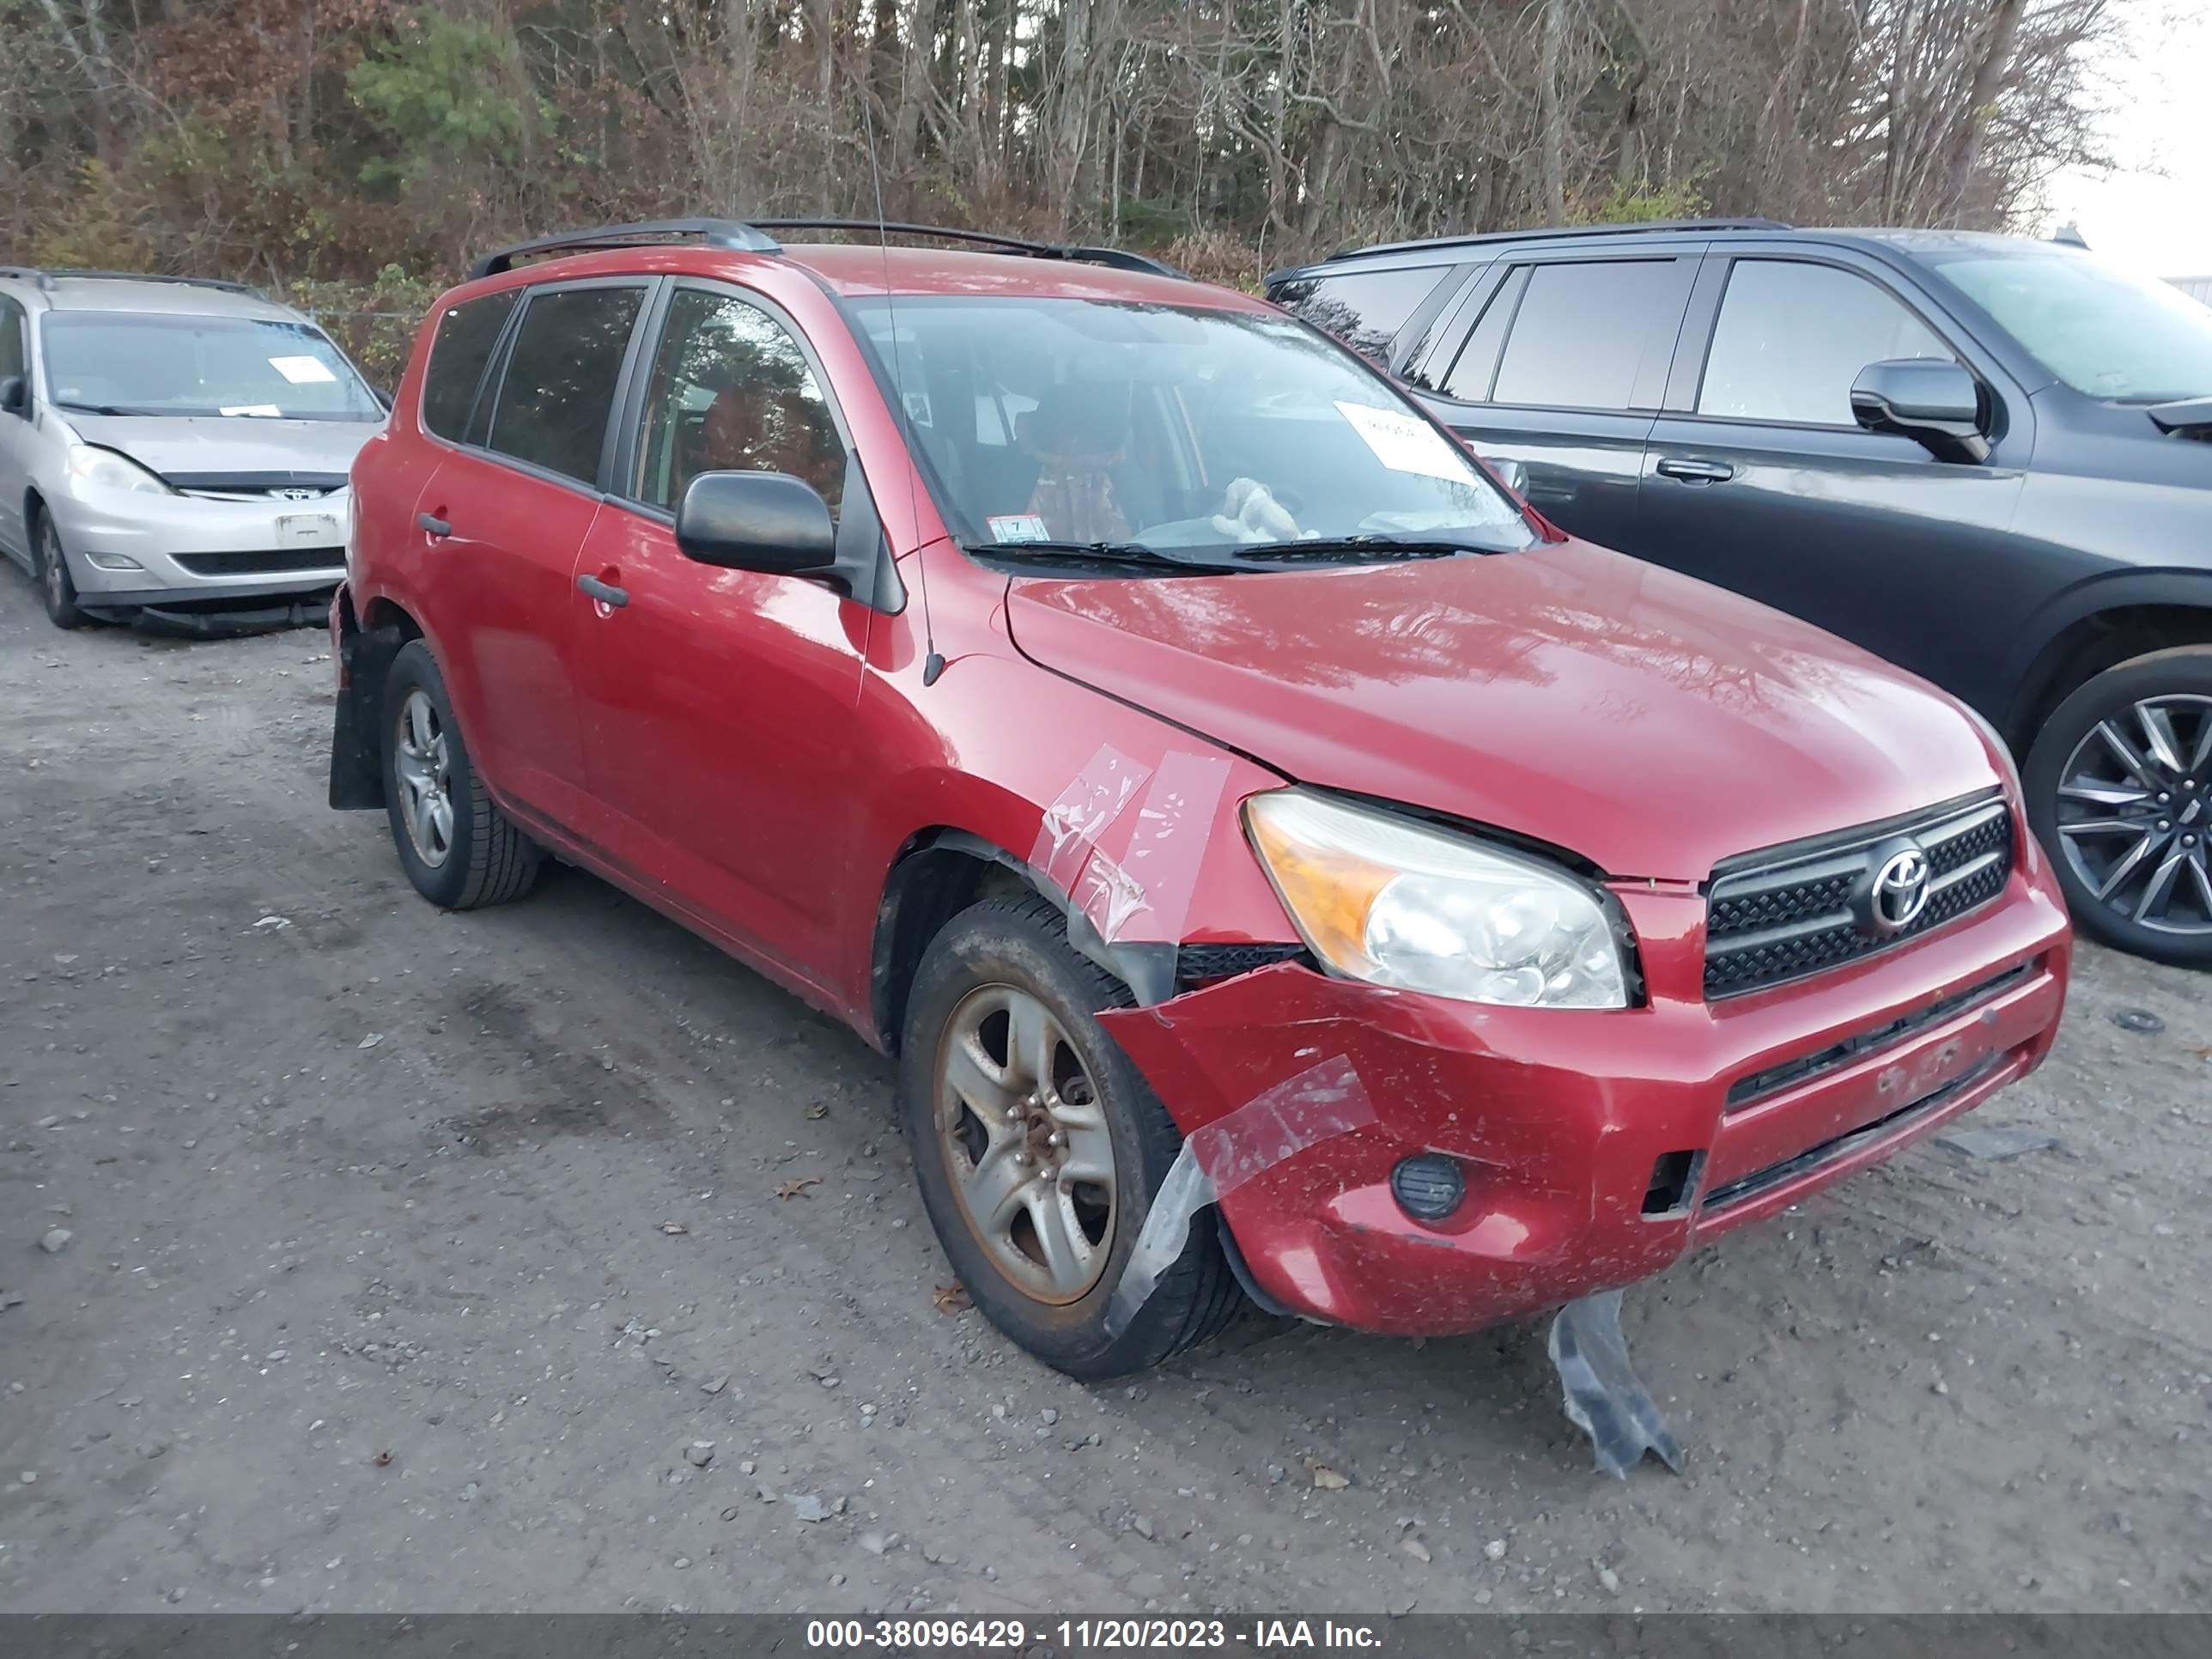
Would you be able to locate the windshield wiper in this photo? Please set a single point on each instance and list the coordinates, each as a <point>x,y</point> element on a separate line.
<point>1134,555</point>
<point>1368,547</point>
<point>104,409</point>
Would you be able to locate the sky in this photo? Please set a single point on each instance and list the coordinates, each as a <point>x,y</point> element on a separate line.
<point>2153,213</point>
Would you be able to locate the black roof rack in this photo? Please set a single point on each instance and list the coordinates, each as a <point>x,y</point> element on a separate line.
<point>710,232</point>
<point>1535,232</point>
<point>45,278</point>
<point>752,237</point>
<point>1118,258</point>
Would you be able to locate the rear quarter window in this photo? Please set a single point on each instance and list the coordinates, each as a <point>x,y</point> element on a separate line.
<point>1364,309</point>
<point>466,334</point>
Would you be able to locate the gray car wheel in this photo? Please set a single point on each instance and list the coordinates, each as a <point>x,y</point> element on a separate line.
<point>57,589</point>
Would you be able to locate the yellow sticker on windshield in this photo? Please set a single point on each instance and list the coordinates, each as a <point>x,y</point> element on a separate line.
<point>1404,443</point>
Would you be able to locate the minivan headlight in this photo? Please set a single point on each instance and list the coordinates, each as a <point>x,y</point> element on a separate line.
<point>1394,903</point>
<point>103,469</point>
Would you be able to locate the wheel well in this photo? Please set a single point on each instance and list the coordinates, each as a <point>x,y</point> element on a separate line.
<point>929,884</point>
<point>2087,649</point>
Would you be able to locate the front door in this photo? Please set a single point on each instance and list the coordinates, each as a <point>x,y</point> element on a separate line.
<point>1759,479</point>
<point>718,705</point>
<point>1559,363</point>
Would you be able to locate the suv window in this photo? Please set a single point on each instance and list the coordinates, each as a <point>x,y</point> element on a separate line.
<point>466,334</point>
<point>733,392</point>
<point>1580,334</point>
<point>1793,336</point>
<point>11,338</point>
<point>1364,309</point>
<point>559,386</point>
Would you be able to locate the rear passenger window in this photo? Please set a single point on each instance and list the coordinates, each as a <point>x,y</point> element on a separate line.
<point>466,334</point>
<point>1792,337</point>
<point>1364,309</point>
<point>560,382</point>
<point>1581,330</point>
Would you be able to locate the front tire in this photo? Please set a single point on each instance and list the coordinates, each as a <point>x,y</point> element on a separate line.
<point>1038,1146</point>
<point>2120,790</point>
<point>458,847</point>
<point>57,588</point>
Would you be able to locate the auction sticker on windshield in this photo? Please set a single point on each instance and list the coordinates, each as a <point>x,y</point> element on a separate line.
<point>1019,528</point>
<point>303,371</point>
<point>1405,444</point>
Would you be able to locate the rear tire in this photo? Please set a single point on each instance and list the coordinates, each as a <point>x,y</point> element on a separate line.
<point>57,588</point>
<point>458,847</point>
<point>2130,750</point>
<point>1013,951</point>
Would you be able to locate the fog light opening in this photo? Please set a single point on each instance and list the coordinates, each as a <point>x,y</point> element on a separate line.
<point>1673,1182</point>
<point>113,561</point>
<point>1428,1186</point>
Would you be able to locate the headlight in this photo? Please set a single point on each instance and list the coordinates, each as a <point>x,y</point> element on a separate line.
<point>1396,904</point>
<point>103,469</point>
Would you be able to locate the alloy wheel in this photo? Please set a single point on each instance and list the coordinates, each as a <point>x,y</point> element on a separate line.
<point>1024,1134</point>
<point>424,765</point>
<point>2135,810</point>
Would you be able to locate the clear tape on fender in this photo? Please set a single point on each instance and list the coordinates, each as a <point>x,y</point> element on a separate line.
<point>1126,879</point>
<point>1321,1103</point>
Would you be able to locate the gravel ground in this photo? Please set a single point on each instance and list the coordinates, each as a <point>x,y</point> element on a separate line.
<point>369,1258</point>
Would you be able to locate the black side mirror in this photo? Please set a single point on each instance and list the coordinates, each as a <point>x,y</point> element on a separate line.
<point>1937,405</point>
<point>15,395</point>
<point>766,521</point>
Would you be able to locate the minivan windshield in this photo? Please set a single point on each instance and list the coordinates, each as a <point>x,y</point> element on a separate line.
<point>120,363</point>
<point>2101,330</point>
<point>1152,436</point>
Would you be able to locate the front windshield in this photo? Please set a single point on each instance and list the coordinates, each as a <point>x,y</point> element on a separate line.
<point>2101,330</point>
<point>1159,428</point>
<point>157,363</point>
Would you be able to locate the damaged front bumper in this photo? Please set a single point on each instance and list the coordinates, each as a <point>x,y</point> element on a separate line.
<point>1594,1147</point>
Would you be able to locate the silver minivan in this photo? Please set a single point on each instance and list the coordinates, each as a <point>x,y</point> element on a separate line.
<point>173,449</point>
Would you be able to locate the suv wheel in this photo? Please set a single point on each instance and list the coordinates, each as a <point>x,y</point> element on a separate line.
<point>56,587</point>
<point>2119,788</point>
<point>1039,1146</point>
<point>458,848</point>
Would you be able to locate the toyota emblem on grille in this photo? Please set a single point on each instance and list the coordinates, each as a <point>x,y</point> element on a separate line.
<point>1899,892</point>
<point>299,494</point>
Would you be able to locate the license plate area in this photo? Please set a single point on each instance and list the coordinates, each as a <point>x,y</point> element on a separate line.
<point>307,530</point>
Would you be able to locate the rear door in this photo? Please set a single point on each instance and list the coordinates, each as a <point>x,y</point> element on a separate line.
<point>1758,478</point>
<point>1557,358</point>
<point>501,525</point>
<point>719,705</point>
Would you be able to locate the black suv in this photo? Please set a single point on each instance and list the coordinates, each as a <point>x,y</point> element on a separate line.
<point>1982,457</point>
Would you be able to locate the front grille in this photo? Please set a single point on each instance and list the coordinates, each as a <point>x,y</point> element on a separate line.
<point>1791,911</point>
<point>278,563</point>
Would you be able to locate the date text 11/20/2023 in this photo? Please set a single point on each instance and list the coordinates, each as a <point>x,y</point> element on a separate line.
<point>1085,1634</point>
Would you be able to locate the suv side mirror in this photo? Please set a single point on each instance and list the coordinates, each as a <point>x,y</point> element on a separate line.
<point>770,522</point>
<point>15,395</point>
<point>1937,405</point>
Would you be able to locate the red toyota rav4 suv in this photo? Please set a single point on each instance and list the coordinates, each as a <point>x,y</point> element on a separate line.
<point>1279,862</point>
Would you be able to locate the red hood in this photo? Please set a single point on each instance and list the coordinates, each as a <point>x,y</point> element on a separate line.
<point>1646,720</point>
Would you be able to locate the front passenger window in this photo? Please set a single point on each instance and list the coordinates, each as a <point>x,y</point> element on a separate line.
<point>1793,336</point>
<point>733,392</point>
